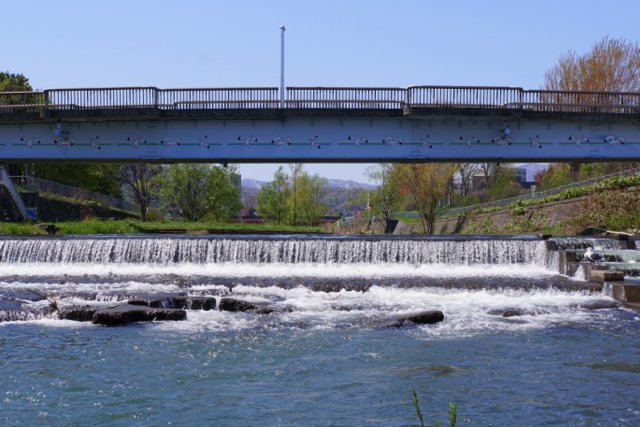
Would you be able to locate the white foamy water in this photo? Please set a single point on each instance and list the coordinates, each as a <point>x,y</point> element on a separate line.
<point>240,270</point>
<point>467,312</point>
<point>105,271</point>
<point>274,250</point>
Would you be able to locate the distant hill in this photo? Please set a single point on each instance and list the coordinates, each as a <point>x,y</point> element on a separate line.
<point>333,183</point>
<point>350,185</point>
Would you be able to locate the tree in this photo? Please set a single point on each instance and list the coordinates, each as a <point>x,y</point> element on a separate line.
<point>199,191</point>
<point>272,198</point>
<point>466,171</point>
<point>296,170</point>
<point>14,83</point>
<point>308,195</point>
<point>101,178</point>
<point>139,179</point>
<point>386,199</point>
<point>427,185</point>
<point>612,65</point>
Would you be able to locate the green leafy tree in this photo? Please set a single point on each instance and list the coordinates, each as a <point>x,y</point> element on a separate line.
<point>386,199</point>
<point>309,206</point>
<point>503,184</point>
<point>10,82</point>
<point>272,198</point>
<point>101,178</point>
<point>199,191</point>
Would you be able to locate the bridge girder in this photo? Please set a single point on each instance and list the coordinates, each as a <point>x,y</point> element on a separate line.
<point>320,138</point>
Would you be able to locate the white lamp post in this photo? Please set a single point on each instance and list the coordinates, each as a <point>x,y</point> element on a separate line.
<point>282,66</point>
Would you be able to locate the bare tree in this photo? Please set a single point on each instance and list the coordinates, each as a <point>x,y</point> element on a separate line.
<point>612,65</point>
<point>427,185</point>
<point>466,172</point>
<point>386,198</point>
<point>139,179</point>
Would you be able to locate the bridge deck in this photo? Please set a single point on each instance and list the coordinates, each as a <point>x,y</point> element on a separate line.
<point>134,103</point>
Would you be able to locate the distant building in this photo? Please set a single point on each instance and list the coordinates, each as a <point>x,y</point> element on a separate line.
<point>526,173</point>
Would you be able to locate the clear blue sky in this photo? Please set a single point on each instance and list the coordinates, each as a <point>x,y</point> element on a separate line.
<point>191,43</point>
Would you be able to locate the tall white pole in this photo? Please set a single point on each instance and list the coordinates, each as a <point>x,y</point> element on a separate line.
<point>282,66</point>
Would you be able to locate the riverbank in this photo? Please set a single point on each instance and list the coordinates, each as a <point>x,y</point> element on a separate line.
<point>139,227</point>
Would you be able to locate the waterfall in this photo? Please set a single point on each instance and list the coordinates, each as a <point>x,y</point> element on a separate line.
<point>327,250</point>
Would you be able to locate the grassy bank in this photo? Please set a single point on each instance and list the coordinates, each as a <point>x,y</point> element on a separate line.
<point>138,227</point>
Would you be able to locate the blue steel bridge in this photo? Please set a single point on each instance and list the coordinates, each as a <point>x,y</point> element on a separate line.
<point>318,124</point>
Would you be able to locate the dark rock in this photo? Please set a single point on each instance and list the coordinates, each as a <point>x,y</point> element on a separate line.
<point>235,305</point>
<point>78,314</point>
<point>160,301</point>
<point>507,312</point>
<point>340,286</point>
<point>126,313</point>
<point>201,303</point>
<point>263,310</point>
<point>232,304</point>
<point>600,305</point>
<point>422,318</point>
<point>49,228</point>
<point>426,317</point>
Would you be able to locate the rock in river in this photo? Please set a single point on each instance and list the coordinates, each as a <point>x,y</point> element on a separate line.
<point>126,313</point>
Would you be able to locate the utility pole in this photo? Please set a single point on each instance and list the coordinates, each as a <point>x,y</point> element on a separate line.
<point>282,66</point>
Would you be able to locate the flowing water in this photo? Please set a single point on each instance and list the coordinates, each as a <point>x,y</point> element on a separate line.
<point>565,355</point>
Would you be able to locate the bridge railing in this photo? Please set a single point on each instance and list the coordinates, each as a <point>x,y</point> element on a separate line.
<point>228,98</point>
<point>106,98</point>
<point>464,97</point>
<point>31,102</point>
<point>581,102</point>
<point>345,98</point>
<point>439,97</point>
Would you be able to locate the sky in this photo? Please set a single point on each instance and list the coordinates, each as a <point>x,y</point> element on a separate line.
<point>191,43</point>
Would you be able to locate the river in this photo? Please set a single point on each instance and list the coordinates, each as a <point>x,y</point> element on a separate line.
<point>325,354</point>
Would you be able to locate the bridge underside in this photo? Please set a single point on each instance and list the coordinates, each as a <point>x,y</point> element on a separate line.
<point>318,135</point>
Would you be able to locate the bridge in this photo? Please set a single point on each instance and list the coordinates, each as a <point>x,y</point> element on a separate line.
<point>318,124</point>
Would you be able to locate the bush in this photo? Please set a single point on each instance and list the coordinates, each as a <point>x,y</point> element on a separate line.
<point>611,210</point>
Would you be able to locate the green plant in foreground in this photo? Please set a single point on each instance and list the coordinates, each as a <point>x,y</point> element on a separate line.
<point>453,411</point>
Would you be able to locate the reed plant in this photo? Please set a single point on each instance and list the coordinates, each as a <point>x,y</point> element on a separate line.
<point>453,411</point>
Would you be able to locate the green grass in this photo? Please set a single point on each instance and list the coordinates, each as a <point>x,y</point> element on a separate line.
<point>20,229</point>
<point>95,226</point>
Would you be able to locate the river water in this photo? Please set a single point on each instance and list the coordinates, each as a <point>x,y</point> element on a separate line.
<point>326,355</point>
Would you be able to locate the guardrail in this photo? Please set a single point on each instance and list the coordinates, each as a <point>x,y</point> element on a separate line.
<point>45,186</point>
<point>431,97</point>
<point>537,195</point>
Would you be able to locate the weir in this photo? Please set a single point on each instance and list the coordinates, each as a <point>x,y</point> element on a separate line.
<point>293,250</point>
<point>311,280</point>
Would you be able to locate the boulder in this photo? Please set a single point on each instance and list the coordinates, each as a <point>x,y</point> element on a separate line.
<point>507,312</point>
<point>201,303</point>
<point>127,313</point>
<point>78,314</point>
<point>160,301</point>
<point>423,318</point>
<point>426,317</point>
<point>600,305</point>
<point>236,305</point>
